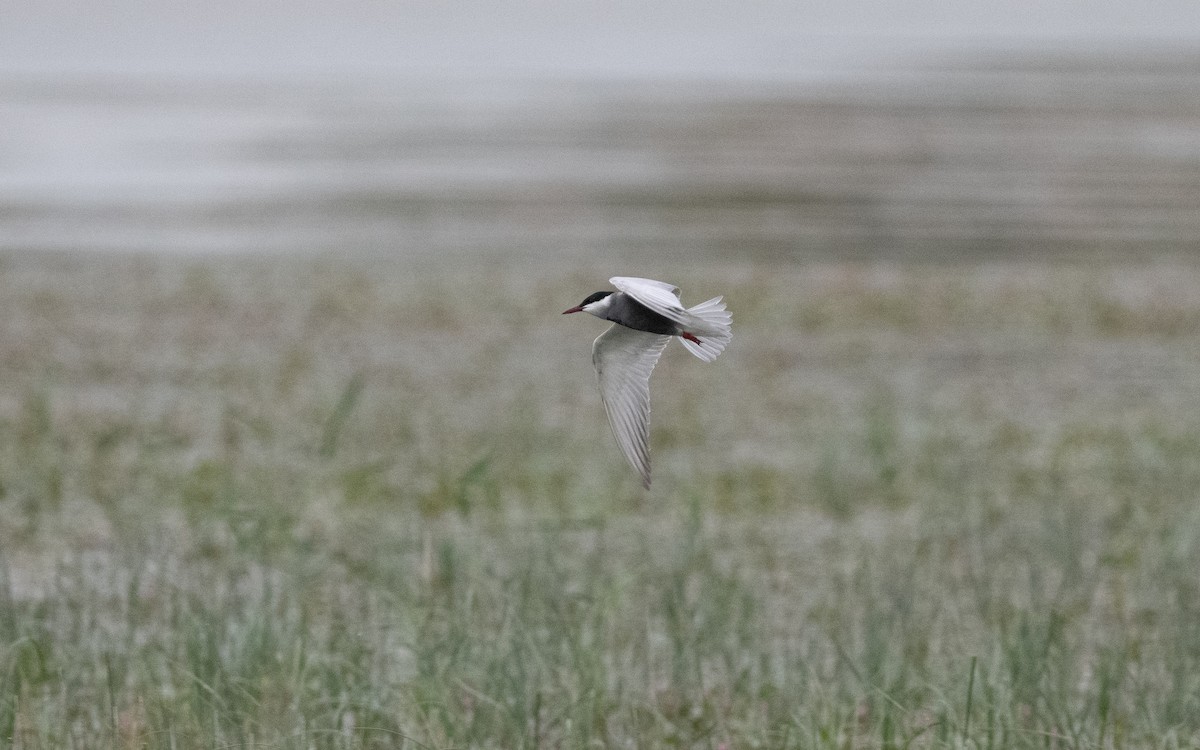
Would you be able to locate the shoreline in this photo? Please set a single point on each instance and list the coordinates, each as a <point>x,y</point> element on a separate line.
<point>1025,155</point>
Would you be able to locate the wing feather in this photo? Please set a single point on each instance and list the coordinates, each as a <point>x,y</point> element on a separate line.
<point>659,296</point>
<point>624,359</point>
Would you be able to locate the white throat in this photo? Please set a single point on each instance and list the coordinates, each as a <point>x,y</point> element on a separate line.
<point>600,306</point>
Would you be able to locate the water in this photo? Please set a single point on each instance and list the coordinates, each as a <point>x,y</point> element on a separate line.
<point>584,134</point>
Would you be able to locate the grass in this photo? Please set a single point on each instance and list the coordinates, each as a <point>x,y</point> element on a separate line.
<point>313,504</point>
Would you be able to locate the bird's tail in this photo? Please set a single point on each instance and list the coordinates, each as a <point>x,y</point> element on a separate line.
<point>712,324</point>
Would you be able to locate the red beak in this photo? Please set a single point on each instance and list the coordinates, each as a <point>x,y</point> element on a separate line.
<point>578,308</point>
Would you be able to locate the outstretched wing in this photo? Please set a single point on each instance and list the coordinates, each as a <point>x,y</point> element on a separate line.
<point>624,359</point>
<point>659,296</point>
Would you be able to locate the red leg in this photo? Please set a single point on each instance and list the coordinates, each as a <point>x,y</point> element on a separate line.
<point>690,337</point>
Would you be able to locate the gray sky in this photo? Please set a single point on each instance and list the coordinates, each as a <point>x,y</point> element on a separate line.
<point>549,36</point>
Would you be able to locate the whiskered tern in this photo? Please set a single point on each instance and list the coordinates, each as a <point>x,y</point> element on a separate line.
<point>646,314</point>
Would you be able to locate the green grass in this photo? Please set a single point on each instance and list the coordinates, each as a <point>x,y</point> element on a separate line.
<point>310,504</point>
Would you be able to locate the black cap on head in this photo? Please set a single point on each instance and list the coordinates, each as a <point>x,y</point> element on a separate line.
<point>593,298</point>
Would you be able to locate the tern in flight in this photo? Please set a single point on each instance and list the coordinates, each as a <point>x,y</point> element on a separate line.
<point>646,314</point>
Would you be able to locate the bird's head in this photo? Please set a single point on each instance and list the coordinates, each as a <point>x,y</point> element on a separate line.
<point>593,303</point>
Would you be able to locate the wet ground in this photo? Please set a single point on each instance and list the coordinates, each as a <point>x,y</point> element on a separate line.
<point>979,158</point>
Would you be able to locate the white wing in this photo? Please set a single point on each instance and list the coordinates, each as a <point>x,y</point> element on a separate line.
<point>659,296</point>
<point>624,359</point>
<point>710,320</point>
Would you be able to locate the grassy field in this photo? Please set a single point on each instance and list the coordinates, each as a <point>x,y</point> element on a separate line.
<point>305,503</point>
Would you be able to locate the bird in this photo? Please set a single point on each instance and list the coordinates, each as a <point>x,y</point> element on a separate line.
<point>646,314</point>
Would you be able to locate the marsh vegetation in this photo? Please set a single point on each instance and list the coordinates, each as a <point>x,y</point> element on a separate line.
<point>320,503</point>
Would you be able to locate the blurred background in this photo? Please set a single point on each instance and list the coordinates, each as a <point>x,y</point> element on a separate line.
<point>297,451</point>
<point>559,130</point>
